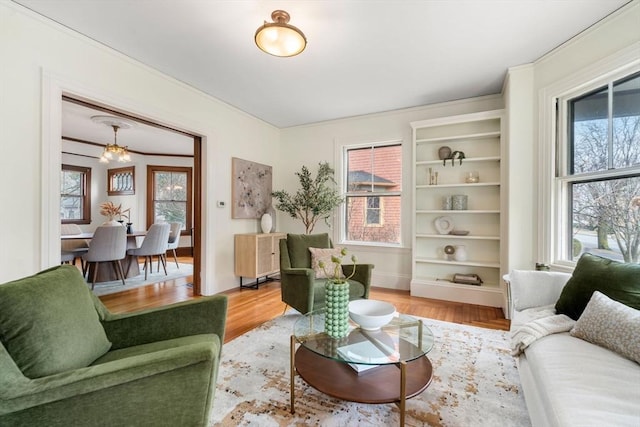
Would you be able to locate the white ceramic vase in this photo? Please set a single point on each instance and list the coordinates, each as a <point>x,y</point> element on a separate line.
<point>112,223</point>
<point>265,223</point>
<point>271,211</point>
<point>461,253</point>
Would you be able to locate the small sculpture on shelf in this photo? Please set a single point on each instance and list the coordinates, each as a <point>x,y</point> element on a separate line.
<point>449,252</point>
<point>453,156</point>
<point>444,153</point>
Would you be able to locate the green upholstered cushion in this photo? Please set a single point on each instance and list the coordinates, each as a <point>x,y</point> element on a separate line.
<point>48,322</point>
<point>298,246</point>
<point>619,281</point>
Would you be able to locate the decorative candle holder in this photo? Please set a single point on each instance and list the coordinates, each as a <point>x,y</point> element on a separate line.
<point>459,202</point>
<point>472,177</point>
<point>447,203</point>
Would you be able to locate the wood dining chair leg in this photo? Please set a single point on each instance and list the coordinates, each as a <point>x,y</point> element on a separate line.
<point>163,258</point>
<point>175,258</point>
<point>120,271</point>
<point>95,274</point>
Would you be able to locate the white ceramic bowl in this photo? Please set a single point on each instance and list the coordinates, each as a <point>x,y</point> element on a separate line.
<point>371,314</point>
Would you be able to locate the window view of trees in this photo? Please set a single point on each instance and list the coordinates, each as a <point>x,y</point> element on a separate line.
<point>171,195</point>
<point>75,182</point>
<point>373,193</point>
<point>604,169</point>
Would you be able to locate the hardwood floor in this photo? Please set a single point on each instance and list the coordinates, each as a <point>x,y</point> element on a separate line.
<point>249,308</point>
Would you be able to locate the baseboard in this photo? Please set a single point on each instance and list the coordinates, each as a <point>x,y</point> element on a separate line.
<point>468,294</point>
<point>390,281</point>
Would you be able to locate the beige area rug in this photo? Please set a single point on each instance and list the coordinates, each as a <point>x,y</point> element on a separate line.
<point>173,272</point>
<point>475,383</point>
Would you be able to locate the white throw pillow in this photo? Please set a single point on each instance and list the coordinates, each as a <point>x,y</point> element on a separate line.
<point>321,254</point>
<point>535,288</point>
<point>610,324</point>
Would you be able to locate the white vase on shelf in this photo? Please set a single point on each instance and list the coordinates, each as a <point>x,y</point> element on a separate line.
<point>461,253</point>
<point>265,223</point>
<point>272,212</point>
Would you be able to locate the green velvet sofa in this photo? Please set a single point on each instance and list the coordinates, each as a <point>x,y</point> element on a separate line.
<point>65,360</point>
<point>300,288</point>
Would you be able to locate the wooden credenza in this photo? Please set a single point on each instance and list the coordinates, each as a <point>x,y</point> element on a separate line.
<point>256,256</point>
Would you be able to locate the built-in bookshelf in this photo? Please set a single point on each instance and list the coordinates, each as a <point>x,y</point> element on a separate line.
<point>476,183</point>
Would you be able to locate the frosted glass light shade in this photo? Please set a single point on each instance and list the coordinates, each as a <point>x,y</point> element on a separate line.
<point>279,38</point>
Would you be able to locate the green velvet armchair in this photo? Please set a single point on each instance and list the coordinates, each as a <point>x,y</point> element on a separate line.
<point>65,360</point>
<point>300,288</point>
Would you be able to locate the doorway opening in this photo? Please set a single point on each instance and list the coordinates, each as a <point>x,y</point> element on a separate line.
<point>149,142</point>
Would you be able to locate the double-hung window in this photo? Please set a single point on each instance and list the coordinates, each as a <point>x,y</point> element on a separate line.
<point>373,193</point>
<point>169,195</point>
<point>75,195</point>
<point>598,172</point>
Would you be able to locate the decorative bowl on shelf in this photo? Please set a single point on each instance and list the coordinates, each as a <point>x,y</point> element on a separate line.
<point>443,224</point>
<point>459,232</point>
<point>370,314</point>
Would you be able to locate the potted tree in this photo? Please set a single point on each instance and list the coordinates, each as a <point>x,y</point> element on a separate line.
<point>315,199</point>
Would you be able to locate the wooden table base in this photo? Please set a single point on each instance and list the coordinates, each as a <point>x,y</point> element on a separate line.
<point>384,384</point>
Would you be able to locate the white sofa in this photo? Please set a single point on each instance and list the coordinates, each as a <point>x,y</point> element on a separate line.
<point>568,381</point>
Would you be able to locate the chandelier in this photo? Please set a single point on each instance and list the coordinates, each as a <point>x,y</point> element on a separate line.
<point>279,38</point>
<point>114,151</point>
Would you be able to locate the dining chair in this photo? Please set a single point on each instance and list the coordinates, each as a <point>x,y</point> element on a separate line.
<point>67,257</point>
<point>174,239</point>
<point>109,244</point>
<point>77,247</point>
<point>154,244</point>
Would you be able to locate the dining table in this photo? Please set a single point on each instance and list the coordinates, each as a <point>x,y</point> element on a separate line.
<point>106,273</point>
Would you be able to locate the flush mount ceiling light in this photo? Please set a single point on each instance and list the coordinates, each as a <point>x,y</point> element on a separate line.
<point>114,150</point>
<point>278,38</point>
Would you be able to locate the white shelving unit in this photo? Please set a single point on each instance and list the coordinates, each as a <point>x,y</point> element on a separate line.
<point>479,136</point>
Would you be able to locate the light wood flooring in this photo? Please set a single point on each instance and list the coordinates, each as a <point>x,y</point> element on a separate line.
<point>248,308</point>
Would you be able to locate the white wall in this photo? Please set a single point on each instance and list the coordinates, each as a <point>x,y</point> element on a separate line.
<point>309,145</point>
<point>40,61</point>
<point>531,125</point>
<point>520,212</point>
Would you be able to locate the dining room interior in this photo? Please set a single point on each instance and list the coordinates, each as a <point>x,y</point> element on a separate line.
<point>123,170</point>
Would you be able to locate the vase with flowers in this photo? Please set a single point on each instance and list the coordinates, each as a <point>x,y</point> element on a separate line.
<point>336,323</point>
<point>111,211</point>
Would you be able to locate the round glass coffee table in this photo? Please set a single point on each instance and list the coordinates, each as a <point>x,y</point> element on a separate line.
<point>388,365</point>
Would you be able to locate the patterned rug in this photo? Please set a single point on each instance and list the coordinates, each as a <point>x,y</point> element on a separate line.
<point>475,383</point>
<point>173,272</point>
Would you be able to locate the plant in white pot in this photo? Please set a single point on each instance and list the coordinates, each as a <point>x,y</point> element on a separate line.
<point>315,199</point>
<point>110,210</point>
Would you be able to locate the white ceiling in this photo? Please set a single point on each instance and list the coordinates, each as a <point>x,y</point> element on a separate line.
<point>362,56</point>
<point>143,138</point>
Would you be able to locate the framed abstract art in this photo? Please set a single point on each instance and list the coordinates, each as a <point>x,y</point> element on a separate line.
<point>251,188</point>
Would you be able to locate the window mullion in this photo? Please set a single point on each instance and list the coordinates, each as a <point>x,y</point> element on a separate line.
<point>610,126</point>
